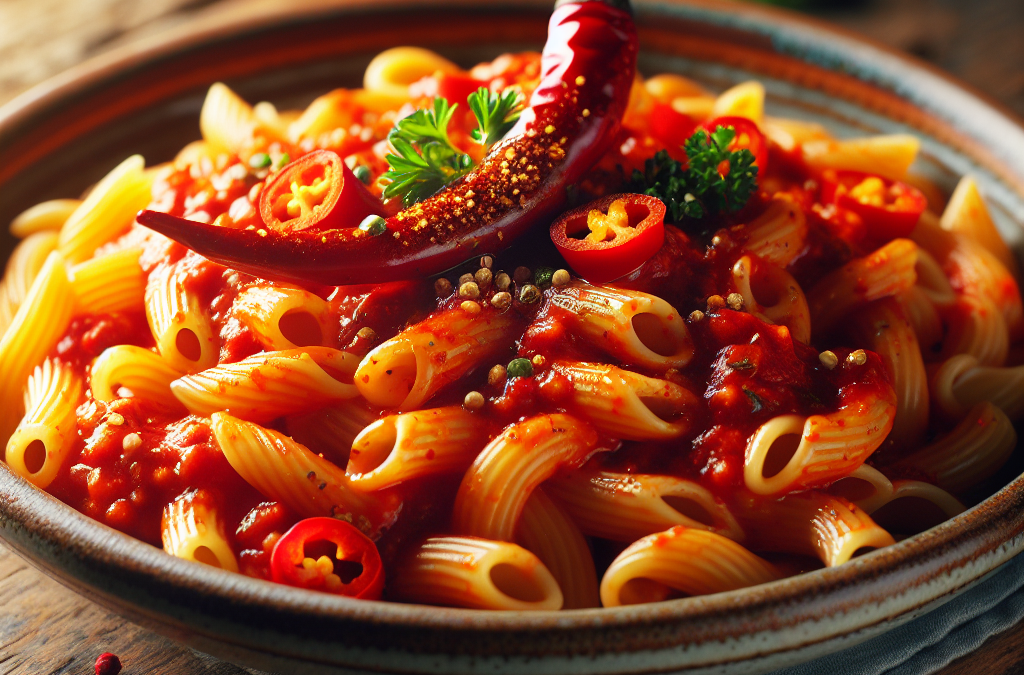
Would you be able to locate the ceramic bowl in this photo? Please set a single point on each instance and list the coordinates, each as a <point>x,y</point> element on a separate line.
<point>61,136</point>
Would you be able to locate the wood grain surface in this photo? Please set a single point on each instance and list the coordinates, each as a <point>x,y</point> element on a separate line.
<point>46,629</point>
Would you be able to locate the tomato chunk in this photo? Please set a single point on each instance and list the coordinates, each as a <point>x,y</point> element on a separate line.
<point>889,208</point>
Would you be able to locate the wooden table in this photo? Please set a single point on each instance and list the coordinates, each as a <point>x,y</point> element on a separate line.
<point>44,628</point>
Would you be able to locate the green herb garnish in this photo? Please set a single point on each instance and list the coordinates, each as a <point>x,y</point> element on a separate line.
<point>425,159</point>
<point>701,188</point>
<point>495,114</point>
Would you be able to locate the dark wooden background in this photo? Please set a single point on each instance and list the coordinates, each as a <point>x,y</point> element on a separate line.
<point>46,629</point>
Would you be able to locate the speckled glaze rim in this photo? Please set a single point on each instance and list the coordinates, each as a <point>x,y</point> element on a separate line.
<point>268,625</point>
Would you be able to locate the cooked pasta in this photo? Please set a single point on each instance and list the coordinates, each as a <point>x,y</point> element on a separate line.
<point>337,372</point>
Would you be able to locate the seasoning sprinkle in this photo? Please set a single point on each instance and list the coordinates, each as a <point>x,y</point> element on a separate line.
<point>715,302</point>
<point>502,281</point>
<point>496,375</point>
<point>474,401</point>
<point>470,307</point>
<point>501,300</point>
<point>857,357</point>
<point>828,359</point>
<point>483,277</point>
<point>735,301</point>
<point>469,289</point>
<point>367,333</point>
<point>696,316</point>
<point>560,278</point>
<point>117,419</point>
<point>538,361</point>
<point>131,442</point>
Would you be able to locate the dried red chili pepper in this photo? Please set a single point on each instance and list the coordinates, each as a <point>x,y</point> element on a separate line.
<point>625,231</point>
<point>571,119</point>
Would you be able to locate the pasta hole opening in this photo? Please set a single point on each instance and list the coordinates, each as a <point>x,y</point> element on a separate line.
<point>766,289</point>
<point>909,515</point>
<point>641,590</point>
<point>516,583</point>
<point>35,456</point>
<point>337,373</point>
<point>690,508</point>
<point>372,449</point>
<point>779,454</point>
<point>653,334</point>
<point>301,328</point>
<point>399,376</point>
<point>204,555</point>
<point>188,345</point>
<point>852,489</point>
<point>667,408</point>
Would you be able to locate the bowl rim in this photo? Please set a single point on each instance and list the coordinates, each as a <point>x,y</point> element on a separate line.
<point>33,521</point>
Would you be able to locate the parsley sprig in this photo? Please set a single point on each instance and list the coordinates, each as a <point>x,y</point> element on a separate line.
<point>703,187</point>
<point>426,160</point>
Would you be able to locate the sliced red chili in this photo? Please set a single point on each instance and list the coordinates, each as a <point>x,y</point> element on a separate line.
<point>328,554</point>
<point>610,237</point>
<point>670,126</point>
<point>889,208</point>
<point>317,190</point>
<point>748,136</point>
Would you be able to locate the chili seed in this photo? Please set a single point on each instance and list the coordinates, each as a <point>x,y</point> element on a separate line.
<point>362,172</point>
<point>560,278</point>
<point>466,278</point>
<point>470,307</point>
<point>519,368</point>
<point>857,357</point>
<point>483,277</point>
<point>522,275</point>
<point>538,361</point>
<point>260,160</point>
<point>487,262</point>
<point>529,294</point>
<point>501,300</point>
<point>117,419</point>
<point>542,277</point>
<point>496,375</point>
<point>367,333</point>
<point>828,359</point>
<point>469,290</point>
<point>735,301</point>
<point>474,401</point>
<point>373,225</point>
<point>131,442</point>
<point>502,281</point>
<point>442,287</point>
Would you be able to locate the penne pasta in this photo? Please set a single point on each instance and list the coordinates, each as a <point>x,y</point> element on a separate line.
<point>547,531</point>
<point>689,561</point>
<point>268,385</point>
<point>283,317</point>
<point>37,449</point>
<point>191,529</point>
<point>330,431</point>
<point>628,405</point>
<point>107,212</point>
<point>43,217</point>
<point>414,444</point>
<point>21,270</point>
<point>967,214</point>
<point>392,71</point>
<point>914,507</point>
<point>743,100</point>
<point>771,294</point>
<point>1002,387</point>
<point>969,454</point>
<point>778,235</point>
<point>111,283</point>
<point>867,487</point>
<point>144,373</point>
<point>285,471</point>
<point>625,507</point>
<point>407,370</point>
<point>635,327</point>
<point>888,156</point>
<point>500,480</point>
<point>477,574</point>
<point>184,333</point>
<point>228,123</point>
<point>37,326</point>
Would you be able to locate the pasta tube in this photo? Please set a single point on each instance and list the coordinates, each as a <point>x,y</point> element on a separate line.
<point>191,528</point>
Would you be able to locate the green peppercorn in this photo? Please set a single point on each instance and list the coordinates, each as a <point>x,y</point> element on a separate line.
<point>542,276</point>
<point>260,160</point>
<point>519,368</point>
<point>373,225</point>
<point>362,172</point>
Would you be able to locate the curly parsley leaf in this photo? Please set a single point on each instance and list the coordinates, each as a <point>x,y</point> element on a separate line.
<point>716,180</point>
<point>426,160</point>
<point>495,113</point>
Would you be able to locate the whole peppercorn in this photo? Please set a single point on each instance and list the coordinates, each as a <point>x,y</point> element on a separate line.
<point>466,278</point>
<point>443,287</point>
<point>519,368</point>
<point>715,302</point>
<point>857,357</point>
<point>560,278</point>
<point>496,375</point>
<point>502,281</point>
<point>474,401</point>
<point>108,664</point>
<point>734,301</point>
<point>529,294</point>
<point>501,300</point>
<point>828,359</point>
<point>487,262</point>
<point>483,277</point>
<point>469,290</point>
<point>522,275</point>
<point>470,307</point>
